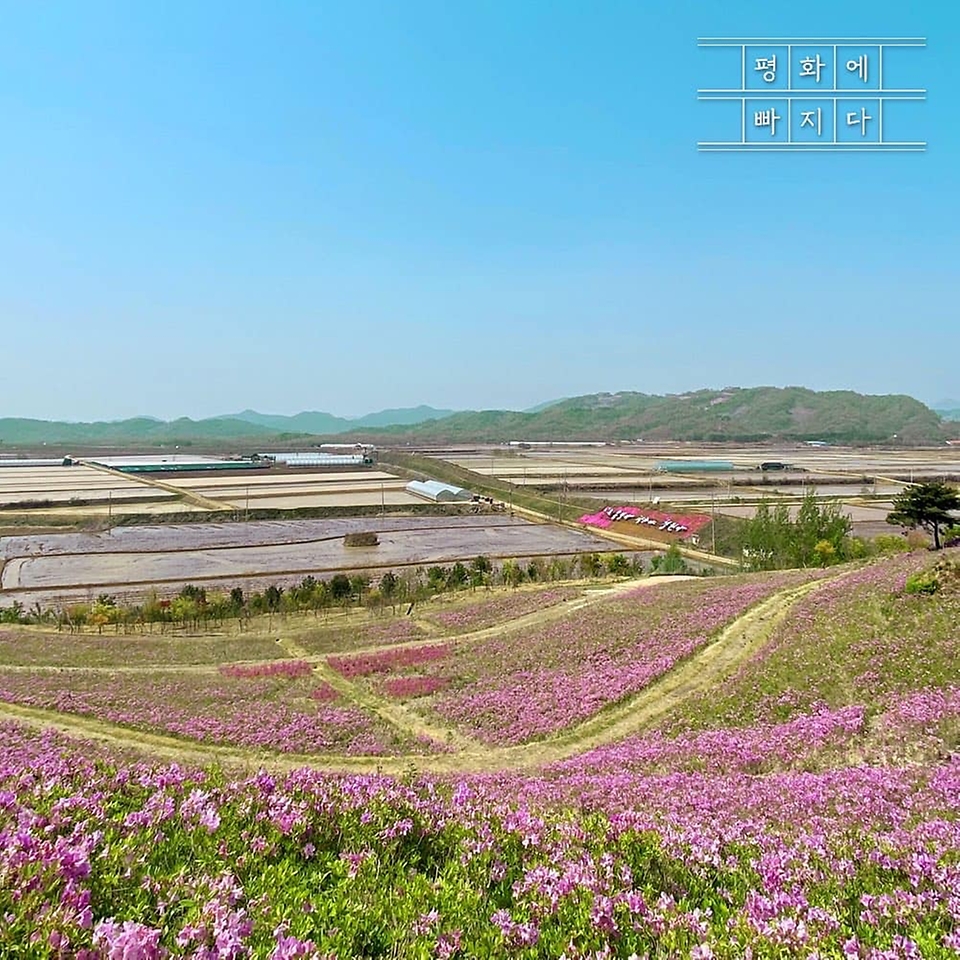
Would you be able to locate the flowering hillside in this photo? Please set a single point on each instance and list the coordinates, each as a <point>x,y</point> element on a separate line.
<point>802,804</point>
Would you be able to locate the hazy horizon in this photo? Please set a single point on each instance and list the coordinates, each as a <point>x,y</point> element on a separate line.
<point>937,404</point>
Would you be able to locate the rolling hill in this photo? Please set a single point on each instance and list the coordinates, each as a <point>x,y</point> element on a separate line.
<point>736,414</point>
<point>732,414</point>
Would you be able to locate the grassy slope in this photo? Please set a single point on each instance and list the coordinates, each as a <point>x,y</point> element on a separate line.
<point>859,641</point>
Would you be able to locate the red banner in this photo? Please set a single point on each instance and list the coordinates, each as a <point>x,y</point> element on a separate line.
<point>679,524</point>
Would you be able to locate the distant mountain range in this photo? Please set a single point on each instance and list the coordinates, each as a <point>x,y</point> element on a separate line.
<point>734,414</point>
<point>248,425</point>
<point>948,409</point>
<point>315,422</point>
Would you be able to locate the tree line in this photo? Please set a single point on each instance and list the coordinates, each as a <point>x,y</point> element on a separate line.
<point>195,606</point>
<point>820,534</point>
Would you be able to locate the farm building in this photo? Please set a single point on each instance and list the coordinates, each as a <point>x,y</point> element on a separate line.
<point>308,458</point>
<point>14,462</point>
<point>438,492</point>
<point>694,466</point>
<point>174,463</point>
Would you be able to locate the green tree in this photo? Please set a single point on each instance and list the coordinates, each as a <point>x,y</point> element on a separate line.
<point>389,584</point>
<point>340,588</point>
<point>617,565</point>
<point>197,594</point>
<point>761,539</point>
<point>185,610</point>
<point>457,576</point>
<point>670,562</point>
<point>480,569</point>
<point>359,584</point>
<point>437,579</point>
<point>272,596</point>
<point>590,565</point>
<point>926,505</point>
<point>512,573</point>
<point>818,523</point>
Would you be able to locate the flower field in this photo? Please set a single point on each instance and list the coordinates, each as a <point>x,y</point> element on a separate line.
<point>859,640</point>
<point>500,608</point>
<point>519,686</point>
<point>806,806</point>
<point>106,859</point>
<point>34,648</point>
<point>275,709</point>
<point>376,633</point>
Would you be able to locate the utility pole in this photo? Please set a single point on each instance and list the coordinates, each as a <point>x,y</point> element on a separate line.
<point>247,505</point>
<point>383,502</point>
<point>713,524</point>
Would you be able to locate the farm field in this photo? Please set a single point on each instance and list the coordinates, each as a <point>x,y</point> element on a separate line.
<point>781,781</point>
<point>82,491</point>
<point>127,561</point>
<point>288,489</point>
<point>60,485</point>
<point>622,464</point>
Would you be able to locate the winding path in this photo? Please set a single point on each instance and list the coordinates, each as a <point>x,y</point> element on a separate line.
<point>736,643</point>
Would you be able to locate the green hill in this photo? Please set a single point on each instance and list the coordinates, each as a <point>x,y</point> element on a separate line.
<point>136,430</point>
<point>737,414</point>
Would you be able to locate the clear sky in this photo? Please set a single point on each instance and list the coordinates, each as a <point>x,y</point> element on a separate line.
<point>350,205</point>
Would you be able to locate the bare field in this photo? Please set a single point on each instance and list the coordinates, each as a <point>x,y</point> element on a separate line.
<point>63,484</point>
<point>128,560</point>
<point>106,508</point>
<point>289,490</point>
<point>345,498</point>
<point>857,513</point>
<point>624,461</point>
<point>273,476</point>
<point>101,492</point>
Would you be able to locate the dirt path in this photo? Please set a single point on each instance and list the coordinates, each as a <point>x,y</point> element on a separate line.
<point>735,644</point>
<point>555,611</point>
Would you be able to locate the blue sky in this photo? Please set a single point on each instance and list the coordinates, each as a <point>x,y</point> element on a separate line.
<point>347,206</point>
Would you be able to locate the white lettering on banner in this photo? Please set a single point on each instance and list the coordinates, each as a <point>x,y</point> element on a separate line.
<point>667,525</point>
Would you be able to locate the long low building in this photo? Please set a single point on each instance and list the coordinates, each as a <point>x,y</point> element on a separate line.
<point>15,462</point>
<point>308,458</point>
<point>174,463</point>
<point>437,492</point>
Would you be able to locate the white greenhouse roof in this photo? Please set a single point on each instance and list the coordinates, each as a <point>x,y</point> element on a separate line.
<point>434,490</point>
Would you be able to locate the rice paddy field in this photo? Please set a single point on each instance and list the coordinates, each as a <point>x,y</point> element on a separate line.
<point>95,491</point>
<point>129,561</point>
<point>755,766</point>
<point>863,481</point>
<point>57,486</point>
<point>279,488</point>
<point>624,462</point>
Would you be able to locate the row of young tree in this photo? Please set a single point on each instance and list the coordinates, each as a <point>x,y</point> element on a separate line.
<point>820,534</point>
<point>194,606</point>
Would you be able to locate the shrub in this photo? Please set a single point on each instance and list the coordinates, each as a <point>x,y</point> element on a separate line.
<point>925,582</point>
<point>890,543</point>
